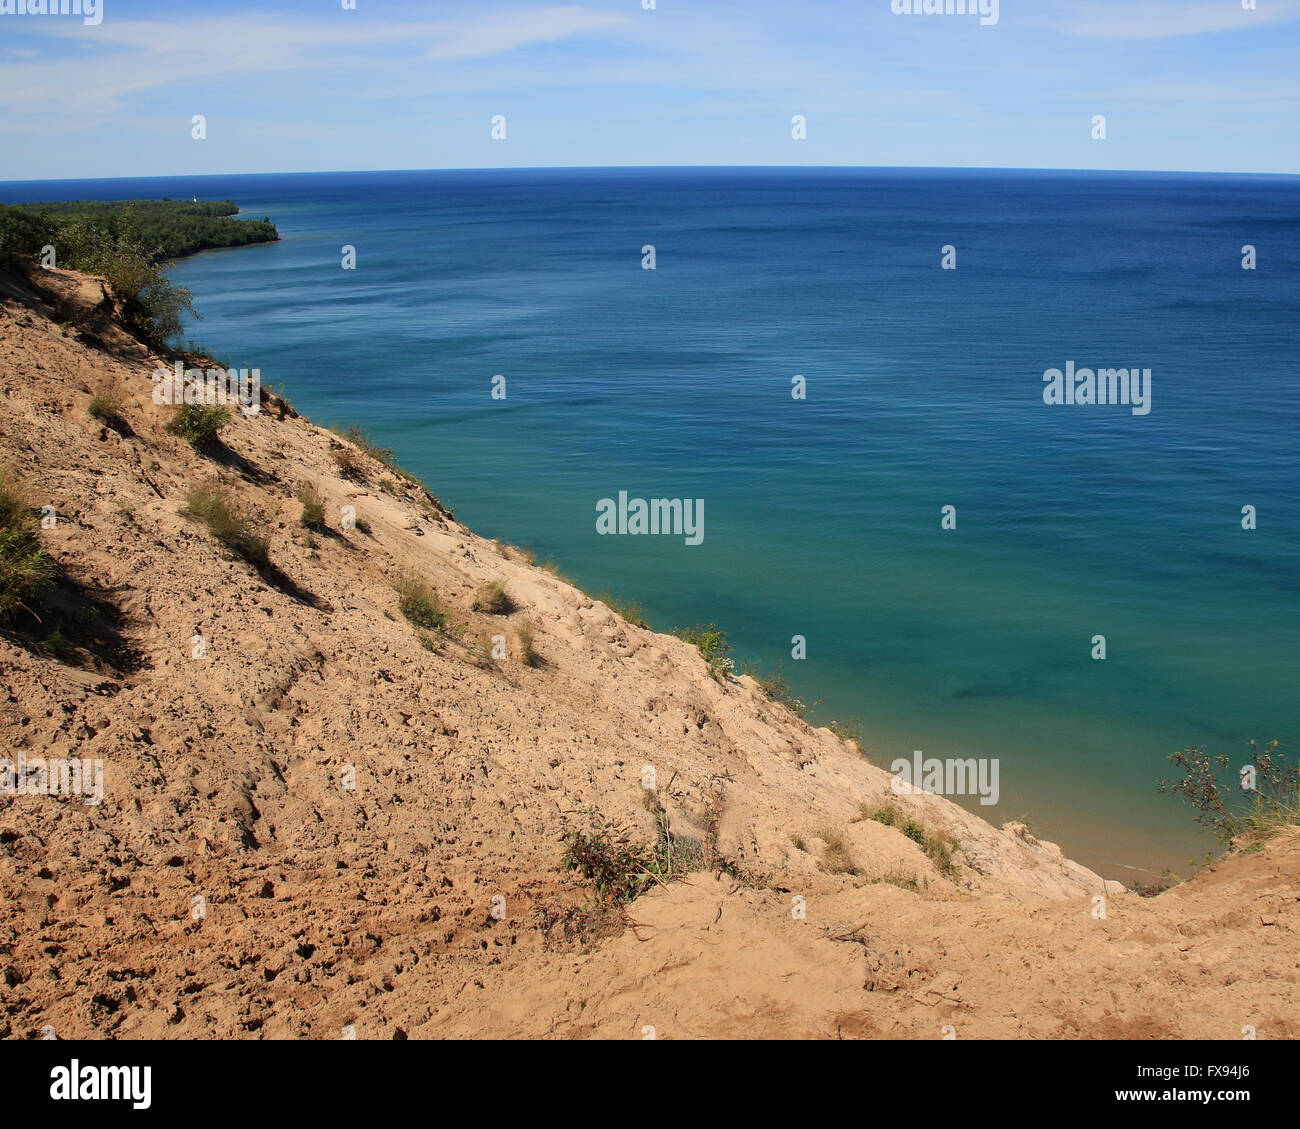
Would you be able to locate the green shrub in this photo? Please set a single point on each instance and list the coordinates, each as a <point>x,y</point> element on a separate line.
<point>836,856</point>
<point>25,571</point>
<point>1226,808</point>
<point>777,687</point>
<point>632,612</point>
<point>493,599</point>
<point>313,506</point>
<point>345,458</point>
<point>417,602</point>
<point>199,424</point>
<point>712,644</point>
<point>939,846</point>
<point>108,401</point>
<point>606,857</point>
<point>527,652</point>
<point>849,730</point>
<point>219,512</point>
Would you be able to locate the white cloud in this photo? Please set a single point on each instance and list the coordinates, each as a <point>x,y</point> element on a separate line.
<point>132,57</point>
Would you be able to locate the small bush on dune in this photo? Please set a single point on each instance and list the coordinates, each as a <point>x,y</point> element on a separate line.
<point>108,402</point>
<point>836,856</point>
<point>199,424</point>
<point>25,571</point>
<point>712,644</point>
<point>1230,810</point>
<point>221,514</point>
<point>417,602</point>
<point>632,612</point>
<point>527,652</point>
<point>777,687</point>
<point>493,599</point>
<point>313,506</point>
<point>939,846</point>
<point>848,730</point>
<point>617,869</point>
<point>345,458</point>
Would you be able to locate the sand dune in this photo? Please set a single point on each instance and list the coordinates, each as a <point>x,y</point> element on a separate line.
<point>231,884</point>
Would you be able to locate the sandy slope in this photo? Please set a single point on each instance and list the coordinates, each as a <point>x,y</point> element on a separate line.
<point>371,907</point>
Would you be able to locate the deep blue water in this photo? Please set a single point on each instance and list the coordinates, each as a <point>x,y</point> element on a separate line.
<point>822,517</point>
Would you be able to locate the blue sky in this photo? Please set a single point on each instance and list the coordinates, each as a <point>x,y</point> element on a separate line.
<point>298,85</point>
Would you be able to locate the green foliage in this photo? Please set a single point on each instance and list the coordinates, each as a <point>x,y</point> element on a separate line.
<point>199,424</point>
<point>24,233</point>
<point>108,401</point>
<point>848,730</point>
<point>417,602</point>
<point>527,651</point>
<point>493,599</point>
<point>25,571</point>
<point>713,645</point>
<point>630,611</point>
<point>126,243</point>
<point>836,856</point>
<point>777,687</point>
<point>620,870</point>
<point>1230,811</point>
<point>313,506</point>
<point>217,510</point>
<point>617,869</point>
<point>939,846</point>
<point>171,228</point>
<point>384,455</point>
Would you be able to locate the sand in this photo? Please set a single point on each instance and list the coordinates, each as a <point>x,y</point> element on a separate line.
<point>232,883</point>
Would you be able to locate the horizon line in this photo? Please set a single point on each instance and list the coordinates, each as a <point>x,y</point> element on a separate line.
<point>664,168</point>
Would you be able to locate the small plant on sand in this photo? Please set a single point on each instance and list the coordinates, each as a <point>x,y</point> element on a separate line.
<point>25,571</point>
<point>550,565</point>
<point>199,424</point>
<point>712,643</point>
<point>900,878</point>
<point>527,651</point>
<point>417,602</point>
<point>939,846</point>
<point>107,403</point>
<point>388,486</point>
<point>606,856</point>
<point>1167,881</point>
<point>217,510</point>
<point>1266,799</point>
<point>630,611</point>
<point>382,455</point>
<point>313,506</point>
<point>778,689</point>
<point>492,599</point>
<point>836,856</point>
<point>349,466</point>
<point>849,730</point>
<point>713,789</point>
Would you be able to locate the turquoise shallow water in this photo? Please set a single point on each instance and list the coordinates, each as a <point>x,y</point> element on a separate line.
<point>822,517</point>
